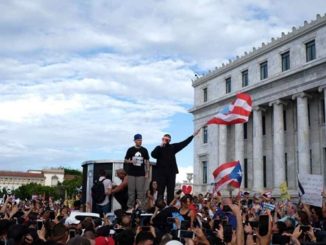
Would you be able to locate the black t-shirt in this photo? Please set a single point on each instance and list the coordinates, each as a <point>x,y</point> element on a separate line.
<point>138,155</point>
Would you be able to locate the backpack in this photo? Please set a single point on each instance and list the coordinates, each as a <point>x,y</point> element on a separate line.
<point>98,192</point>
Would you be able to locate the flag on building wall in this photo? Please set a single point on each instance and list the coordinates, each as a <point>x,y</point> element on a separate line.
<point>228,174</point>
<point>237,112</point>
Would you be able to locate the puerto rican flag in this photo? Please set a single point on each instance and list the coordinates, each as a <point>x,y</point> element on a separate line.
<point>228,174</point>
<point>237,112</point>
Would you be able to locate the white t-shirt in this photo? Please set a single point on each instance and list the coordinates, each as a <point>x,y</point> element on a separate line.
<point>107,184</point>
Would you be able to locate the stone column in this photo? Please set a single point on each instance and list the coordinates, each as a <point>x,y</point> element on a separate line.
<point>323,167</point>
<point>323,89</point>
<point>278,144</point>
<point>239,146</point>
<point>222,145</point>
<point>258,181</point>
<point>303,133</point>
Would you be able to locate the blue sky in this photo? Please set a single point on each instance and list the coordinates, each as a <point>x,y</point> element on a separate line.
<point>79,78</point>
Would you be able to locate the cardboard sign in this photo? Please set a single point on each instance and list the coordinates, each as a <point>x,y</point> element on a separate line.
<point>313,187</point>
<point>284,192</point>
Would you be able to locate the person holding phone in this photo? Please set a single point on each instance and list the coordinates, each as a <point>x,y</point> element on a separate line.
<point>165,170</point>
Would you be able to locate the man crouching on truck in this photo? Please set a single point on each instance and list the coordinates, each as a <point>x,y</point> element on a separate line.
<point>120,192</point>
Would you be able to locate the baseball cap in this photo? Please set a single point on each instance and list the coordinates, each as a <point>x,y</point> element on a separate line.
<point>104,240</point>
<point>138,137</point>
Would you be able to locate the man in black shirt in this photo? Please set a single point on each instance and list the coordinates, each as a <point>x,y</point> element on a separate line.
<point>165,170</point>
<point>138,159</point>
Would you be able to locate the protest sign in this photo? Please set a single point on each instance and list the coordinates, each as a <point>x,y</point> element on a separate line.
<point>312,188</point>
<point>284,192</point>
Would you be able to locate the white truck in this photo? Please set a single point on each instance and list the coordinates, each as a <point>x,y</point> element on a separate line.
<point>91,173</point>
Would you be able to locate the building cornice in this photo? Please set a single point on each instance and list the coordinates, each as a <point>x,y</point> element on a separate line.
<point>226,98</point>
<point>265,48</point>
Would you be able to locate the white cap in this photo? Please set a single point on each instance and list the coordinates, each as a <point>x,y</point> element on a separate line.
<point>72,221</point>
<point>173,242</point>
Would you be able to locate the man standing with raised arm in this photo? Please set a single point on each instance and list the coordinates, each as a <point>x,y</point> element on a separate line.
<point>166,168</point>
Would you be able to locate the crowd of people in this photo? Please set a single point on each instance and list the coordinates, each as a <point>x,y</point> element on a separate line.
<point>188,219</point>
<point>148,217</point>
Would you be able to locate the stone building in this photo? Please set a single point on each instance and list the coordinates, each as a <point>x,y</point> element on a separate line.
<point>285,134</point>
<point>49,177</point>
<point>11,180</point>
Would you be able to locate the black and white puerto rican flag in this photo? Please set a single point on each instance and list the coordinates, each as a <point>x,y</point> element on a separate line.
<point>300,189</point>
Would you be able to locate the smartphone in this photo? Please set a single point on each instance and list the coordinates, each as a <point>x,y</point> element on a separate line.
<point>227,233</point>
<point>253,224</point>
<point>226,209</point>
<point>304,228</point>
<point>279,239</point>
<point>263,225</point>
<point>208,232</point>
<point>39,224</point>
<point>224,222</point>
<point>72,233</point>
<point>170,219</point>
<point>185,225</point>
<point>250,203</point>
<point>216,224</point>
<point>52,215</point>
<point>145,228</point>
<point>186,234</point>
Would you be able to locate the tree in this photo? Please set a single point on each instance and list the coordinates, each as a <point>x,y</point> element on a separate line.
<point>71,186</point>
<point>68,186</point>
<point>70,171</point>
<point>26,191</point>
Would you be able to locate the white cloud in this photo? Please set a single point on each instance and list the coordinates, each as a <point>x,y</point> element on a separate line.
<point>182,176</point>
<point>78,79</point>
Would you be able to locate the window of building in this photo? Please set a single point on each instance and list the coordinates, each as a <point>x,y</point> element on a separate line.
<point>284,119</point>
<point>285,61</point>
<point>228,85</point>
<point>264,172</point>
<point>323,116</point>
<point>286,167</point>
<point>245,131</point>
<point>310,51</point>
<point>245,79</point>
<point>54,180</point>
<point>264,125</point>
<point>263,70</point>
<point>245,166</point>
<point>204,165</point>
<point>205,95</point>
<point>205,134</point>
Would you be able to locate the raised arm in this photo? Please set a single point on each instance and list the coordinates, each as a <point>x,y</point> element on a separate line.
<point>156,152</point>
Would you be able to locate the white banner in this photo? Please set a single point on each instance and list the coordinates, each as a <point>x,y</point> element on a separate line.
<point>313,187</point>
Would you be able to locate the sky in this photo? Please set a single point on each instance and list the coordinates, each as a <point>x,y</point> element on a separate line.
<point>79,78</point>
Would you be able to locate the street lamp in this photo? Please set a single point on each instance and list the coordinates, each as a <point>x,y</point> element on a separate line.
<point>189,177</point>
